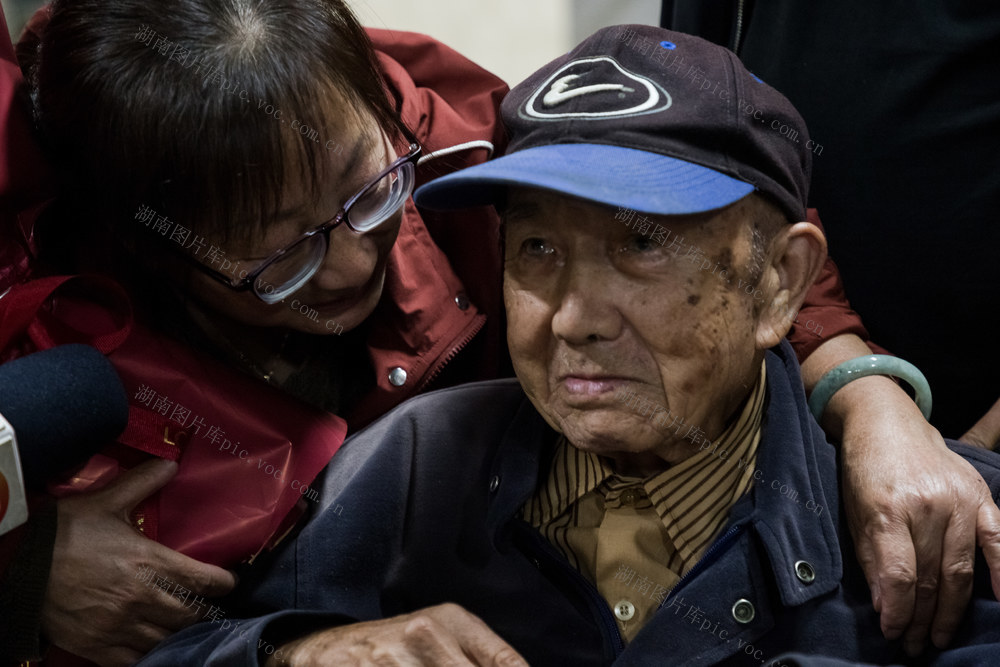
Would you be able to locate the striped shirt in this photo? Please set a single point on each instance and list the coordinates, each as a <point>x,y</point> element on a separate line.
<point>635,538</point>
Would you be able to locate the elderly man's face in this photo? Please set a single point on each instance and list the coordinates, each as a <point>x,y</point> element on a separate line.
<point>596,308</point>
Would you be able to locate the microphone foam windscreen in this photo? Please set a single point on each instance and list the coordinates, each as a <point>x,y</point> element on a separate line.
<point>65,404</point>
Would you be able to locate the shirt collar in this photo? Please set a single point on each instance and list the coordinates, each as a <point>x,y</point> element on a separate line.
<point>794,451</point>
<point>724,468</point>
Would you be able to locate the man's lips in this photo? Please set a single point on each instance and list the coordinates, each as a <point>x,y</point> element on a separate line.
<point>592,385</point>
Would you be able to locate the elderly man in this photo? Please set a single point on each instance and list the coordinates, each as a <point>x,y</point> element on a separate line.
<point>653,490</point>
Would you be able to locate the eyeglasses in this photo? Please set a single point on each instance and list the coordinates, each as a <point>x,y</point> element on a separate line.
<point>288,269</point>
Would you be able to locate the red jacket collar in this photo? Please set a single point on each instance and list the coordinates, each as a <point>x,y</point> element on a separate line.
<point>443,281</point>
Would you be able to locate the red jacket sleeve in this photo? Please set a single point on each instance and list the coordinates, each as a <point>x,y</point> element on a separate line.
<point>26,552</point>
<point>448,100</point>
<point>826,313</point>
<point>25,180</point>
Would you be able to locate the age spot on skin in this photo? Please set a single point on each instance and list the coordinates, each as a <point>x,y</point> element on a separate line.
<point>723,262</point>
<point>693,299</point>
<point>724,258</point>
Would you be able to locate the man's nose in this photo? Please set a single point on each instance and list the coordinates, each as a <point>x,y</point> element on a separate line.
<point>587,307</point>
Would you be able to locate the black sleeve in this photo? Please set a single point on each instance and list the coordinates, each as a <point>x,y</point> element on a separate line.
<point>22,589</point>
<point>714,21</point>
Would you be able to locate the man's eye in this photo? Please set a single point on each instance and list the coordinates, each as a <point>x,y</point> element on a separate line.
<point>639,243</point>
<point>536,248</point>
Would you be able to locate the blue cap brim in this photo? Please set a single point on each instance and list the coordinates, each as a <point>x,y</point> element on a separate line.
<point>612,175</point>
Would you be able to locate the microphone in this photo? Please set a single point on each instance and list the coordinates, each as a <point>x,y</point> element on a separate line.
<point>57,409</point>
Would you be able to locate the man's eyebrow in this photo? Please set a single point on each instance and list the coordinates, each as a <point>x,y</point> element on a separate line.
<point>520,210</point>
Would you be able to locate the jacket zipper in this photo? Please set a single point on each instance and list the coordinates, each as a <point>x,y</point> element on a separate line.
<point>548,551</point>
<point>584,584</point>
<point>451,355</point>
<point>705,560</point>
<point>739,26</point>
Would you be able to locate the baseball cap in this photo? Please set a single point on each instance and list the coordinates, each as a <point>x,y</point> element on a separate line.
<point>643,118</point>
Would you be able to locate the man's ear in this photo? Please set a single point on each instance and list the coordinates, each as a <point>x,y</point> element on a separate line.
<point>796,258</point>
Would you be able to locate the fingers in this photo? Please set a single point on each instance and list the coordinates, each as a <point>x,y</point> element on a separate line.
<point>985,432</point>
<point>449,635</point>
<point>896,574</point>
<point>927,532</point>
<point>96,605</point>
<point>426,643</point>
<point>200,578</point>
<point>866,558</point>
<point>957,563</point>
<point>988,537</point>
<point>479,642</point>
<point>441,636</point>
<point>137,484</point>
<point>165,611</point>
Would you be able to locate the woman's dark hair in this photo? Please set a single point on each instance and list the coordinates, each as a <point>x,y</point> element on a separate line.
<point>174,105</point>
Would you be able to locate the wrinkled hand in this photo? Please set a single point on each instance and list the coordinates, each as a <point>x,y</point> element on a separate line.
<point>95,606</point>
<point>441,635</point>
<point>916,511</point>
<point>986,432</point>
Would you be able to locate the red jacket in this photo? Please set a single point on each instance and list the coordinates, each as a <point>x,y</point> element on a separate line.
<point>442,286</point>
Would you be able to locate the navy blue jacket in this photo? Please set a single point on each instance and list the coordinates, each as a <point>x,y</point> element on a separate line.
<point>422,508</point>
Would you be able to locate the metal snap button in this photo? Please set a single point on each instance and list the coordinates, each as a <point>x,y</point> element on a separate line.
<point>805,572</point>
<point>397,377</point>
<point>743,611</point>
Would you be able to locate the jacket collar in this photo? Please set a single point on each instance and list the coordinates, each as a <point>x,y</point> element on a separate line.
<point>796,470</point>
<point>426,314</point>
<point>793,505</point>
<point>423,317</point>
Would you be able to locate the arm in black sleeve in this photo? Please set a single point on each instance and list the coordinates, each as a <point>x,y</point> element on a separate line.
<point>22,588</point>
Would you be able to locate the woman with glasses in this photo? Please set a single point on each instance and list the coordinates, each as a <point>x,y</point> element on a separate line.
<point>243,169</point>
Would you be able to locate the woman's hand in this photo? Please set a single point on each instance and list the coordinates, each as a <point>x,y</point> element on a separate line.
<point>916,511</point>
<point>441,635</point>
<point>915,508</point>
<point>95,605</point>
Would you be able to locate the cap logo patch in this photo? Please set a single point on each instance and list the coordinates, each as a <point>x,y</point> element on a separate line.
<point>558,91</point>
<point>601,88</point>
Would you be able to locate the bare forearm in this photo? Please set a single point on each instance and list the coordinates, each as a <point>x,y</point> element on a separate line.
<point>869,394</point>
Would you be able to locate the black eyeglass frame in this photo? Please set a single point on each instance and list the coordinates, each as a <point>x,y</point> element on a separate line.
<point>246,283</point>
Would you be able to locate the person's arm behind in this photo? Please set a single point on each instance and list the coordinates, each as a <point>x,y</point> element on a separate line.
<point>916,509</point>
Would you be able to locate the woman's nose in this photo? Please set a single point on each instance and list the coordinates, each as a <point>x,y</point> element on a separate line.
<point>349,262</point>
